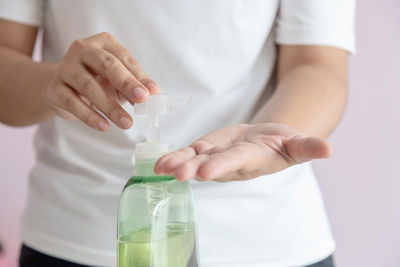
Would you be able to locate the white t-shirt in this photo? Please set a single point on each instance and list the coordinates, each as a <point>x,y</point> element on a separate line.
<point>220,52</point>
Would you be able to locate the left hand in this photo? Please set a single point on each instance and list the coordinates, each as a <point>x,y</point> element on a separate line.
<point>242,152</point>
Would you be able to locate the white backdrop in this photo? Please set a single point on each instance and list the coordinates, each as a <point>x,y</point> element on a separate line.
<point>360,183</point>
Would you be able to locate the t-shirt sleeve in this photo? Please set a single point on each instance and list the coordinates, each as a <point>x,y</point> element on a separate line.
<point>317,22</point>
<point>22,11</point>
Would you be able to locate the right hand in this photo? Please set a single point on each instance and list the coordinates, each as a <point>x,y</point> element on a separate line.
<point>98,72</point>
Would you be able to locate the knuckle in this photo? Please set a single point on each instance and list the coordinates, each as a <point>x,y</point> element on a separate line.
<point>128,83</point>
<point>128,60</point>
<point>107,62</point>
<point>78,44</point>
<point>105,35</point>
<point>68,102</point>
<point>137,69</point>
<point>113,112</point>
<point>200,146</point>
<point>88,88</point>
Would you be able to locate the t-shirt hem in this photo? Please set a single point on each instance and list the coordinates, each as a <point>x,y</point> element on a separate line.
<point>314,255</point>
<point>305,36</point>
<point>66,250</point>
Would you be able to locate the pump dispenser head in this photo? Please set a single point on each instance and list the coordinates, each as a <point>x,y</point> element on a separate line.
<point>149,152</point>
<point>157,105</point>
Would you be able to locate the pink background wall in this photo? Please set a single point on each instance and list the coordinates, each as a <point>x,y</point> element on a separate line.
<point>360,182</point>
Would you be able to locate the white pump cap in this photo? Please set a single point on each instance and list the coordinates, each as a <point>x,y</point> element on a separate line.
<point>160,104</point>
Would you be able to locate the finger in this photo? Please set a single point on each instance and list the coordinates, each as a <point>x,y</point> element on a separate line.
<point>225,137</point>
<point>222,163</point>
<point>64,114</point>
<point>202,146</point>
<point>114,47</point>
<point>189,168</point>
<point>111,90</point>
<point>68,100</point>
<point>167,163</point>
<point>84,83</point>
<point>108,66</point>
<point>302,149</point>
<point>217,149</point>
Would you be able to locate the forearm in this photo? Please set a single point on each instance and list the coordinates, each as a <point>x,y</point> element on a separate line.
<point>310,98</point>
<point>22,89</point>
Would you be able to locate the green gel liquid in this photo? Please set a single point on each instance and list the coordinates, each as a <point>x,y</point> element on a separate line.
<point>136,249</point>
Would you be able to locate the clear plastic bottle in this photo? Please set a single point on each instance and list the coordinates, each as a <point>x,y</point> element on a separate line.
<point>156,223</point>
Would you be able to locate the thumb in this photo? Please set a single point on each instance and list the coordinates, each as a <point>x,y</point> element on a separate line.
<point>302,149</point>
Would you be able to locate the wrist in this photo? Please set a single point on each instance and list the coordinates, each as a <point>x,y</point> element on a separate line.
<point>47,73</point>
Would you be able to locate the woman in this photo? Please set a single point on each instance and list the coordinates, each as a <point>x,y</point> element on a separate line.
<point>268,81</point>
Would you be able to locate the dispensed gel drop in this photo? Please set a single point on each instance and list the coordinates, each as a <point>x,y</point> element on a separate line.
<point>156,226</point>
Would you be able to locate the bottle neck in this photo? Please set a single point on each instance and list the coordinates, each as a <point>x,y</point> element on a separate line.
<point>144,167</point>
<point>144,172</point>
<point>146,156</point>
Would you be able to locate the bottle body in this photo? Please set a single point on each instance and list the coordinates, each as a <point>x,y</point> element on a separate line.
<point>156,225</point>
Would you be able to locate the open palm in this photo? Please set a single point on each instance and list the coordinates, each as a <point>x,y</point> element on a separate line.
<point>242,152</point>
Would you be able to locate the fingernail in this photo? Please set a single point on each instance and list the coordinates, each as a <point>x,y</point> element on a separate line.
<point>125,122</point>
<point>102,126</point>
<point>138,92</point>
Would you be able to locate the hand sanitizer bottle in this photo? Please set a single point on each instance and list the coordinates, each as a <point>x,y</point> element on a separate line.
<point>156,225</point>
